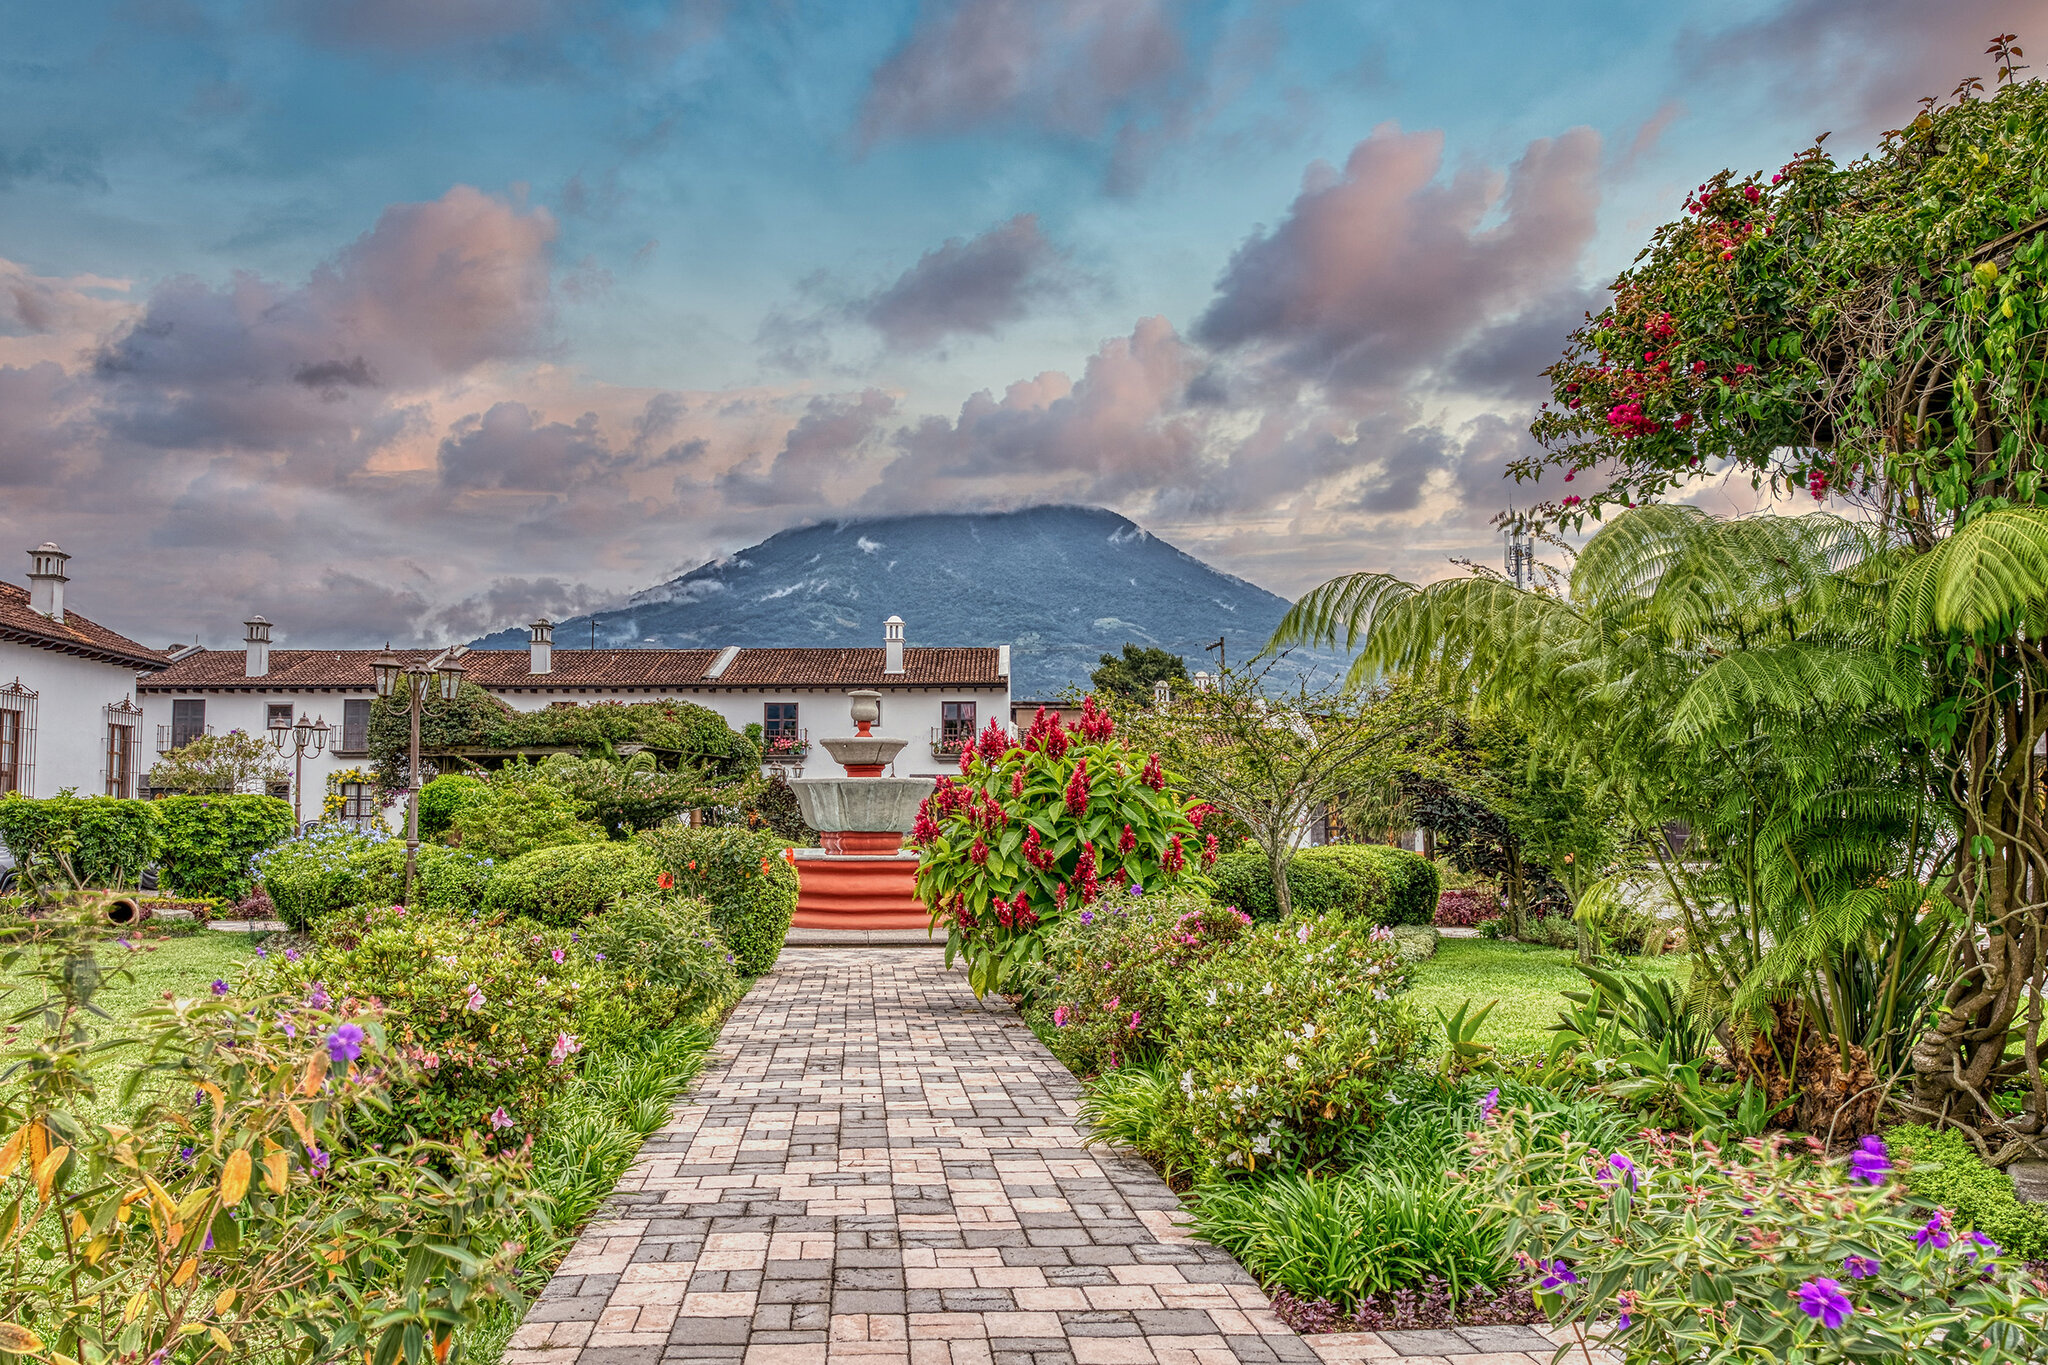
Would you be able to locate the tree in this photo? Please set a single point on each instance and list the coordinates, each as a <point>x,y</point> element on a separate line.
<point>636,793</point>
<point>234,762</point>
<point>1273,762</point>
<point>1130,678</point>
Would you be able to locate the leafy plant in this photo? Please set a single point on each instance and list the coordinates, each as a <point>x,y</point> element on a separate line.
<point>665,957</point>
<point>565,886</point>
<point>1463,1052</point>
<point>747,877</point>
<point>330,867</point>
<point>631,794</point>
<point>210,842</point>
<point>1940,1167</point>
<point>220,765</point>
<point>1134,1106</point>
<point>441,798</point>
<point>519,811</point>
<point>101,840</point>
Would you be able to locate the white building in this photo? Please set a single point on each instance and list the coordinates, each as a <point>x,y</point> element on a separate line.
<point>934,697</point>
<point>68,718</point>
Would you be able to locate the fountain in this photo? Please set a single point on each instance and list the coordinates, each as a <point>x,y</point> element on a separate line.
<point>862,878</point>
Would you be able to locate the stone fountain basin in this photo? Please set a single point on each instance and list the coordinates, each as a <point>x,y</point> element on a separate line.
<point>853,751</point>
<point>869,804</point>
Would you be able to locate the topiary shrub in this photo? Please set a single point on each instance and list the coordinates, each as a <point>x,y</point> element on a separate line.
<point>1359,881</point>
<point>210,842</point>
<point>102,840</point>
<point>745,875</point>
<point>567,885</point>
<point>518,811</point>
<point>1977,1193</point>
<point>442,798</point>
<point>1409,880</point>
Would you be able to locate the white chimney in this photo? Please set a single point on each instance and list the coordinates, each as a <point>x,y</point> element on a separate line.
<point>46,580</point>
<point>892,645</point>
<point>540,646</point>
<point>1162,693</point>
<point>256,643</point>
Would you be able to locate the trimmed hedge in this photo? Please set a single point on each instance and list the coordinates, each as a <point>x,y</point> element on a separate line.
<point>1359,881</point>
<point>443,798</point>
<point>209,841</point>
<point>1977,1193</point>
<point>104,840</point>
<point>566,885</point>
<point>745,875</point>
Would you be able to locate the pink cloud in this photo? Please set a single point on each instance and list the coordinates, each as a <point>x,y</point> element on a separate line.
<point>969,285</point>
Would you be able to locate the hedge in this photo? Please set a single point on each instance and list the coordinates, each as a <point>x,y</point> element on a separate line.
<point>1977,1193</point>
<point>331,867</point>
<point>747,877</point>
<point>209,841</point>
<point>568,884</point>
<point>1362,881</point>
<point>105,840</point>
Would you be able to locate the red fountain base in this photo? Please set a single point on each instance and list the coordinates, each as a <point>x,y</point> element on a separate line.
<point>857,888</point>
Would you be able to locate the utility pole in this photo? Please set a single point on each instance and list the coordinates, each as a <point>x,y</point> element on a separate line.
<point>1222,656</point>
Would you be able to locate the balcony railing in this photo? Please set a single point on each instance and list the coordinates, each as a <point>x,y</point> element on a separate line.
<point>785,747</point>
<point>164,736</point>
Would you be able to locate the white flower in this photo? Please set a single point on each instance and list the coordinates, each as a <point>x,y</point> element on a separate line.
<point>1267,989</point>
<point>1392,1098</point>
<point>1291,1062</point>
<point>1211,998</point>
<point>1262,1145</point>
<point>1308,1031</point>
<point>1187,1083</point>
<point>1301,934</point>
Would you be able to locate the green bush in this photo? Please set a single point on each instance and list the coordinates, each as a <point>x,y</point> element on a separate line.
<point>210,842</point>
<point>744,875</point>
<point>520,811</point>
<point>443,797</point>
<point>331,866</point>
<point>105,841</point>
<point>1359,881</point>
<point>1977,1193</point>
<point>664,960</point>
<point>565,886</point>
<point>1410,881</point>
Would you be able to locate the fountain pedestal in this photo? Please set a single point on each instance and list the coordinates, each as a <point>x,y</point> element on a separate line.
<point>861,878</point>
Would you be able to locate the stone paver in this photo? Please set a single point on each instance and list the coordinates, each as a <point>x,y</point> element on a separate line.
<point>881,1169</point>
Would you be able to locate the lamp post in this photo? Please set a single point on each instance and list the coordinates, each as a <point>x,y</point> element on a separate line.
<point>307,734</point>
<point>418,673</point>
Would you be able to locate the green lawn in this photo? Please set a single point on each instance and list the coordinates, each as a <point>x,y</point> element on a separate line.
<point>1527,980</point>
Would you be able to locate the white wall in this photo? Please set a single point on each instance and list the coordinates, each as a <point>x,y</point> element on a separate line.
<point>250,711</point>
<point>70,720</point>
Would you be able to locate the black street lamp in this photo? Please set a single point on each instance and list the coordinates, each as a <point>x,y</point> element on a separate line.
<point>306,734</point>
<point>418,673</point>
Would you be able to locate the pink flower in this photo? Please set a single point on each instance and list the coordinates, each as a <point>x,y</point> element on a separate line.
<point>500,1120</point>
<point>558,955</point>
<point>566,1046</point>
<point>476,999</point>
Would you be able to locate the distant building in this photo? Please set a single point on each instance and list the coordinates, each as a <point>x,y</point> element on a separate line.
<point>933,697</point>
<point>68,717</point>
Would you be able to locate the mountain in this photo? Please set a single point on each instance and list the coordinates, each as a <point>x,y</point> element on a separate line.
<point>1060,585</point>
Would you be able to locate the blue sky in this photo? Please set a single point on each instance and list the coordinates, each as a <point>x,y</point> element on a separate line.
<point>412,317</point>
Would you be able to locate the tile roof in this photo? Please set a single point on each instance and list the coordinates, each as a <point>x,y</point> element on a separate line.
<point>681,669</point>
<point>73,635</point>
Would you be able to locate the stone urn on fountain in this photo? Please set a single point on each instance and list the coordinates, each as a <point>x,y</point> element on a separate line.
<point>862,878</point>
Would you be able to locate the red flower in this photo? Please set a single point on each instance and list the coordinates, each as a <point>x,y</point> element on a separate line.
<point>1084,869</point>
<point>1199,812</point>
<point>978,855</point>
<point>995,742</point>
<point>966,759</point>
<point>1096,724</point>
<point>1209,852</point>
<point>1077,789</point>
<point>666,881</point>
<point>1173,860</point>
<point>1059,896</point>
<point>1154,775</point>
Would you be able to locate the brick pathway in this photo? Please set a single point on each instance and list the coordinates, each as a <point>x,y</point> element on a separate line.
<point>883,1170</point>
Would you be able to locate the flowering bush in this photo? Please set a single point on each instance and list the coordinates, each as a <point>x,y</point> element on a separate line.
<point>485,1019</point>
<point>567,885</point>
<point>1283,1045</point>
<point>661,961</point>
<point>1464,909</point>
<point>332,866</point>
<point>232,1216</point>
<point>747,876</point>
<point>1696,1252</point>
<point>1037,830</point>
<point>1101,991</point>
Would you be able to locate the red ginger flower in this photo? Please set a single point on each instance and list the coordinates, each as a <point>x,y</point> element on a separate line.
<point>1059,895</point>
<point>994,742</point>
<point>966,759</point>
<point>1173,859</point>
<point>1154,775</point>
<point>978,855</point>
<point>1209,852</point>
<point>1199,812</point>
<point>1128,842</point>
<point>1084,869</point>
<point>1096,724</point>
<point>1077,789</point>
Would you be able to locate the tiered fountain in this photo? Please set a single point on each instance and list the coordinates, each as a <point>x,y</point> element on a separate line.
<point>862,878</point>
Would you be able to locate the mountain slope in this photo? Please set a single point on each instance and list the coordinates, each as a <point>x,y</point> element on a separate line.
<point>1060,585</point>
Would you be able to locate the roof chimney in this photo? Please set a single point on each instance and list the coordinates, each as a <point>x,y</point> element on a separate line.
<point>892,645</point>
<point>46,580</point>
<point>540,646</point>
<point>256,644</point>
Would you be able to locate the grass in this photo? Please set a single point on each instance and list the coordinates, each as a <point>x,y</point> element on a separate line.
<point>1528,980</point>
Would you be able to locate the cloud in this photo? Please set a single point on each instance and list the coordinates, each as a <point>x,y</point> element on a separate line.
<point>506,448</point>
<point>1067,66</point>
<point>970,286</point>
<point>817,454</point>
<point>509,40</point>
<point>1380,271</point>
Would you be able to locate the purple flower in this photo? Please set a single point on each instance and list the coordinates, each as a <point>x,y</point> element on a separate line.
<point>598,956</point>
<point>317,998</point>
<point>1934,1233</point>
<point>319,1161</point>
<point>1860,1267</point>
<point>220,987</point>
<point>291,955</point>
<point>185,1155</point>
<point>1556,1275</point>
<point>208,1245</point>
<point>500,1119</point>
<point>1489,1102</point>
<point>1059,1016</point>
<point>1980,1245</point>
<point>261,952</point>
<point>1622,1323</point>
<point>1087,917</point>
<point>345,1044</point>
<point>1870,1163</point>
<point>1619,1168</point>
<point>1136,890</point>
<point>1823,1300</point>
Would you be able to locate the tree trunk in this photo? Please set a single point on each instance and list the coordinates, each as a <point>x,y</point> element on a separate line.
<point>1278,855</point>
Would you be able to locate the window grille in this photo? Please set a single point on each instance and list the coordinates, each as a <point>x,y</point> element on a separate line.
<point>18,739</point>
<point>358,803</point>
<point>355,727</point>
<point>188,721</point>
<point>124,726</point>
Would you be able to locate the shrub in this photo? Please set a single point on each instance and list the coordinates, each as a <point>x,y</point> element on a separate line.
<point>443,797</point>
<point>1037,830</point>
<point>1464,909</point>
<point>1415,943</point>
<point>1136,1106</point>
<point>567,885</point>
<point>746,876</point>
<point>331,866</point>
<point>1101,992</point>
<point>1979,1194</point>
<point>103,840</point>
<point>1349,1237</point>
<point>1359,881</point>
<point>210,842</point>
<point>1283,1045</point>
<point>1783,1247</point>
<point>1410,879</point>
<point>664,961</point>
<point>519,811</point>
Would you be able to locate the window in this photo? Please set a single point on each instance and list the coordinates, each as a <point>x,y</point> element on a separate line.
<point>277,712</point>
<point>358,802</point>
<point>956,721</point>
<point>120,759</point>
<point>17,739</point>
<point>188,721</point>
<point>779,718</point>
<point>10,750</point>
<point>355,727</point>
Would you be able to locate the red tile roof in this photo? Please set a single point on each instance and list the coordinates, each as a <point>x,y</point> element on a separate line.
<point>679,669</point>
<point>73,635</point>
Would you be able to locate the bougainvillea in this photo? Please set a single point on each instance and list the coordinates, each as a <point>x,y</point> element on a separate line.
<point>1041,827</point>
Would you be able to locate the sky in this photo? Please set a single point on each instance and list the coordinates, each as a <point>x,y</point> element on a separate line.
<point>412,319</point>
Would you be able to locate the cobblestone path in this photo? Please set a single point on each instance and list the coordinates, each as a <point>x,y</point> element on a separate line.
<point>881,1169</point>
